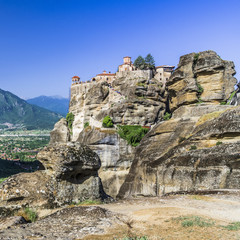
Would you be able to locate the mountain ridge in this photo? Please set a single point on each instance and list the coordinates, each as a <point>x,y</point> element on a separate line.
<point>55,104</point>
<point>15,110</point>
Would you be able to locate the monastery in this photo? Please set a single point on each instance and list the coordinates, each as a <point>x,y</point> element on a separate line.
<point>162,73</point>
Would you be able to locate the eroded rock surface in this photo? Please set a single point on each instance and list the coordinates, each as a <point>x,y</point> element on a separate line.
<point>69,223</point>
<point>115,154</point>
<point>188,153</point>
<point>201,77</point>
<point>70,175</point>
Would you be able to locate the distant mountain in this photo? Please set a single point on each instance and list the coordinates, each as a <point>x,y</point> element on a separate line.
<point>15,110</point>
<point>55,103</point>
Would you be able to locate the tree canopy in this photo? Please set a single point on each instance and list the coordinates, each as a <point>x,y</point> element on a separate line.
<point>139,63</point>
<point>144,64</point>
<point>149,62</point>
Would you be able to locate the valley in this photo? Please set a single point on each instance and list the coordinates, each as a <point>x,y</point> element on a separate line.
<point>18,151</point>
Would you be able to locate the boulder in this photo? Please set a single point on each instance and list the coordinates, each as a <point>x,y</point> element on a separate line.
<point>70,175</point>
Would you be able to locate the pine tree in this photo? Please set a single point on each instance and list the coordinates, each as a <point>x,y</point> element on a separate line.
<point>149,62</point>
<point>139,63</point>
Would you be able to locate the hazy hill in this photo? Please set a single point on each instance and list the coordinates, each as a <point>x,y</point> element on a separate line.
<point>53,103</point>
<point>15,110</point>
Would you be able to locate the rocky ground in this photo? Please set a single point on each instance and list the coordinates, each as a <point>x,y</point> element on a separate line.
<point>168,217</point>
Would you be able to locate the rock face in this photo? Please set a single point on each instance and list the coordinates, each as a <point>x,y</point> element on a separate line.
<point>198,148</point>
<point>70,175</point>
<point>60,133</point>
<point>201,77</point>
<point>188,154</point>
<point>133,98</point>
<point>68,223</point>
<point>116,156</point>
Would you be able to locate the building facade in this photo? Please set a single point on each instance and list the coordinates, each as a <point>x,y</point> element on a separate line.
<point>127,65</point>
<point>163,73</point>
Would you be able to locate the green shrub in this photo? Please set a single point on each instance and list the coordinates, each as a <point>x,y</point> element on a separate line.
<point>140,84</point>
<point>70,119</point>
<point>86,124</point>
<point>107,122</point>
<point>218,143</point>
<point>193,147</point>
<point>230,98</point>
<point>133,134</point>
<point>195,58</point>
<point>181,139</point>
<point>200,88</point>
<point>31,215</point>
<point>167,116</point>
<point>223,103</point>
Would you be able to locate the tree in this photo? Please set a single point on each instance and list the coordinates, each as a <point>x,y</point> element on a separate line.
<point>149,62</point>
<point>139,63</point>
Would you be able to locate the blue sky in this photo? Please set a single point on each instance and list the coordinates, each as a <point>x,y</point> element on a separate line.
<point>43,43</point>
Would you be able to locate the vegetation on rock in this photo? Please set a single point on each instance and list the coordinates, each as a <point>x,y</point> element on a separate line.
<point>167,116</point>
<point>107,122</point>
<point>133,134</point>
<point>70,119</point>
<point>29,214</point>
<point>86,124</point>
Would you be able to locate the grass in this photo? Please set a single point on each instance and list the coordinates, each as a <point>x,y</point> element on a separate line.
<point>87,202</point>
<point>234,226</point>
<point>2,179</point>
<point>29,214</point>
<point>190,221</point>
<point>132,238</point>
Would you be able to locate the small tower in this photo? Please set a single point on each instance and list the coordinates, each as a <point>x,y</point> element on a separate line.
<point>75,79</point>
<point>127,60</point>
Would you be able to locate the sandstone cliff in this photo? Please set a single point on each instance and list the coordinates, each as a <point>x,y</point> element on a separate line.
<point>173,156</point>
<point>201,77</point>
<point>133,98</point>
<point>198,148</point>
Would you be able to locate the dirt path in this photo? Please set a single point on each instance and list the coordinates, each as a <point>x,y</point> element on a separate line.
<point>158,218</point>
<point>178,217</point>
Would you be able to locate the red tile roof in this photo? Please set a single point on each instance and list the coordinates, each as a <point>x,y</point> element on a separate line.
<point>106,74</point>
<point>75,77</point>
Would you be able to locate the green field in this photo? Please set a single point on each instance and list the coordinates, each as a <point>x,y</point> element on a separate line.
<point>18,154</point>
